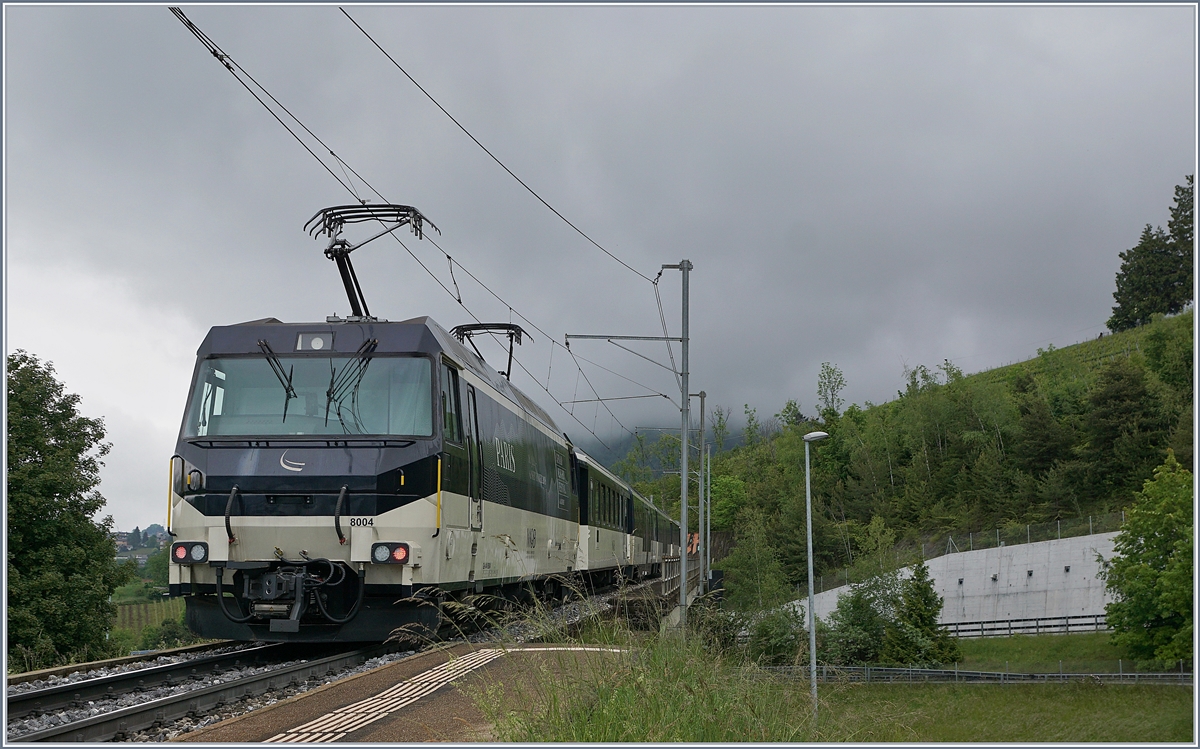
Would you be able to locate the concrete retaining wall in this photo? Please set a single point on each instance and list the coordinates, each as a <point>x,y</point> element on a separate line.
<point>1031,580</point>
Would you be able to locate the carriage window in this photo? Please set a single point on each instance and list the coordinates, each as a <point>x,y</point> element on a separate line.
<point>450,421</point>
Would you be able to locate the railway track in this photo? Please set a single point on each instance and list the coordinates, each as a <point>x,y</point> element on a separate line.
<point>78,693</point>
<point>149,713</point>
<point>119,706</point>
<point>59,672</point>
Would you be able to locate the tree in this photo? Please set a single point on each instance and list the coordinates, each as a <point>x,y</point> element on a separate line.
<point>1126,430</point>
<point>156,566</point>
<point>1156,273</point>
<point>728,499</point>
<point>913,637</point>
<point>1150,577</point>
<point>1180,226</point>
<point>1043,440</point>
<point>135,538</point>
<point>830,383</point>
<point>61,569</point>
<point>720,427</point>
<point>754,577</point>
<point>790,416</point>
<point>1168,352</point>
<point>858,625</point>
<point>752,432</point>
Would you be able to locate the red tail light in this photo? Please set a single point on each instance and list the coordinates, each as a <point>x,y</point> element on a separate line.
<point>189,552</point>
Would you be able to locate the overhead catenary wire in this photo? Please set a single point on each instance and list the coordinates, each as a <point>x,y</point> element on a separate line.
<point>489,153</point>
<point>235,68</point>
<point>229,65</point>
<point>662,316</point>
<point>616,398</point>
<point>535,326</point>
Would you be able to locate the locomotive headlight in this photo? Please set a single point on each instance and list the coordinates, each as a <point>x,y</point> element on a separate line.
<point>189,552</point>
<point>390,553</point>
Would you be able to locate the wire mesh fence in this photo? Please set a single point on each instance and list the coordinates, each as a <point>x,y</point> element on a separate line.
<point>891,675</point>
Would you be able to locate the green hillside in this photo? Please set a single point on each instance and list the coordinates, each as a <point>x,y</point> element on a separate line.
<point>1069,433</point>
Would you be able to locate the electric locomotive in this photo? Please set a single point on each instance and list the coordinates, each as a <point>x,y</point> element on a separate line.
<point>338,481</point>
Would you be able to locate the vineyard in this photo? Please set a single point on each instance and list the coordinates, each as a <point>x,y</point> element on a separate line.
<point>137,616</point>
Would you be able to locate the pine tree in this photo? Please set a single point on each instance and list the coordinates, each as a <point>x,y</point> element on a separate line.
<point>1156,274</point>
<point>1126,429</point>
<point>913,637</point>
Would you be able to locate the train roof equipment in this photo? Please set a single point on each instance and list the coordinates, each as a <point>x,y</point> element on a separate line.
<point>331,221</point>
<point>464,333</point>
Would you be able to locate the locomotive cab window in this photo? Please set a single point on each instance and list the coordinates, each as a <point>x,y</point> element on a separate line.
<point>372,395</point>
<point>451,425</point>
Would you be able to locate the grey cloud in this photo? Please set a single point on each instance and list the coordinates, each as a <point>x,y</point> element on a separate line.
<point>870,186</point>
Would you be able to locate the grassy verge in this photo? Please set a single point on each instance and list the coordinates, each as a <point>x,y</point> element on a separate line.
<point>1080,653</point>
<point>669,689</point>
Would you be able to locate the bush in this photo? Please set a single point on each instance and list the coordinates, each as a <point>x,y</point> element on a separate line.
<point>172,633</point>
<point>858,625</point>
<point>121,642</point>
<point>777,637</point>
<point>718,628</point>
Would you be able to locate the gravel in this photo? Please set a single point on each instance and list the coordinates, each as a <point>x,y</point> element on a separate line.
<point>162,660</point>
<point>19,728</point>
<point>250,704</point>
<point>529,629</point>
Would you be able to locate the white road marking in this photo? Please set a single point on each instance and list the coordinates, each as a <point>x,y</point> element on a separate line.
<point>345,720</point>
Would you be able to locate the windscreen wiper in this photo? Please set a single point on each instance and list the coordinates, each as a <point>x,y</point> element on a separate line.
<point>277,367</point>
<point>347,381</point>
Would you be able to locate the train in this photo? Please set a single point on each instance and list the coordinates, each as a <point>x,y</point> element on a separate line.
<point>345,480</point>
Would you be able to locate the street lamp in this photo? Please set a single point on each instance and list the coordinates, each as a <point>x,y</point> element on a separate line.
<point>812,618</point>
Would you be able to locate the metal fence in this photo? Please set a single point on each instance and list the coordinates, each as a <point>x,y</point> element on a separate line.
<point>1036,626</point>
<point>934,546</point>
<point>888,675</point>
<point>670,575</point>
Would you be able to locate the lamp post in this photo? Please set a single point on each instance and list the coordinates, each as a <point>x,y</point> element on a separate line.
<point>812,618</point>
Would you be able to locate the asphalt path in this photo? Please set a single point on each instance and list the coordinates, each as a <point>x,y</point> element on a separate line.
<point>428,697</point>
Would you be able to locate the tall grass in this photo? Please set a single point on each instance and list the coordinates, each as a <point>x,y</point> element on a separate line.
<point>667,688</point>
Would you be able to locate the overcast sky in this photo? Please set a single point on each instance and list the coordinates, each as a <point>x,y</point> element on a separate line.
<point>876,187</point>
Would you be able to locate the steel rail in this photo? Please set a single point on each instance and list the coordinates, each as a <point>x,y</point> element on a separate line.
<point>147,655</point>
<point>120,723</point>
<point>75,694</point>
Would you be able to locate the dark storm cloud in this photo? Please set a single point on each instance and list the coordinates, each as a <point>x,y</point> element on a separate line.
<point>871,186</point>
